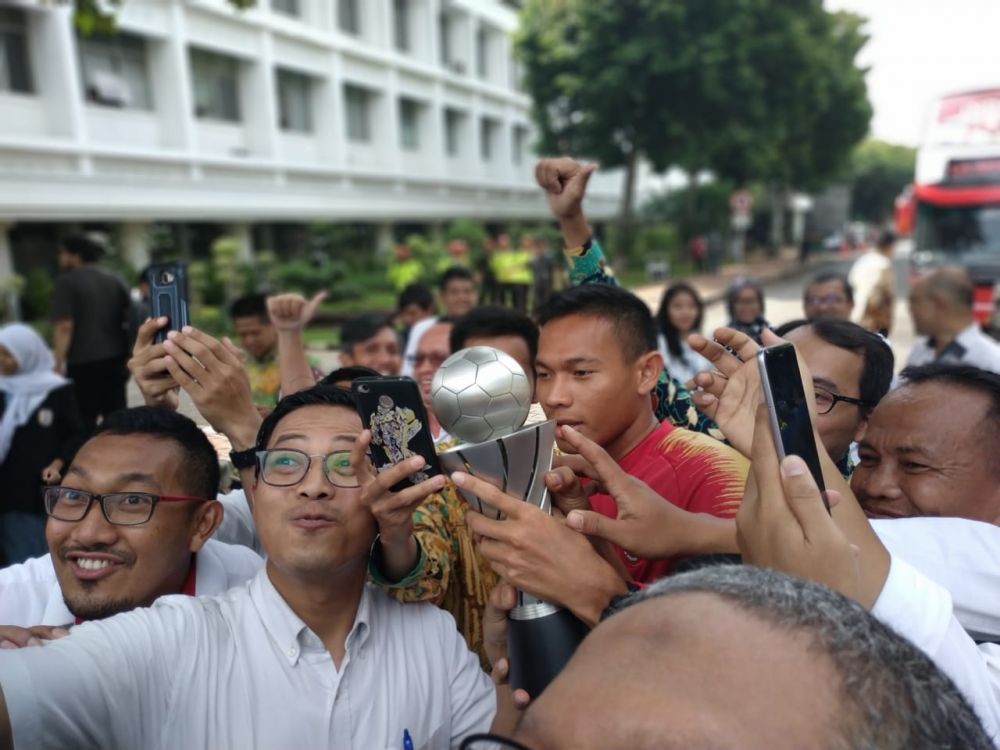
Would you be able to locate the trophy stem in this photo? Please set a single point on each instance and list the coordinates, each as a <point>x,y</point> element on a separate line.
<point>541,638</point>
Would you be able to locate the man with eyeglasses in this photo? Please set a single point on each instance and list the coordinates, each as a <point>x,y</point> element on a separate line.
<point>852,371</point>
<point>432,350</point>
<point>306,655</point>
<point>828,295</point>
<point>131,523</point>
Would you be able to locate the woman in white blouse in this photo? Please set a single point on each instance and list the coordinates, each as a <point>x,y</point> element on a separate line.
<point>680,314</point>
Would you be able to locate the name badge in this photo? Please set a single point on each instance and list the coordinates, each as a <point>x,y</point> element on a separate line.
<point>45,417</point>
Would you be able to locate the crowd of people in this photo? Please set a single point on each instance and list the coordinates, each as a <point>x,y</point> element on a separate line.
<point>311,605</point>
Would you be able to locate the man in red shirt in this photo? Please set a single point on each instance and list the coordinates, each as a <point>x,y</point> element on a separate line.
<point>596,367</point>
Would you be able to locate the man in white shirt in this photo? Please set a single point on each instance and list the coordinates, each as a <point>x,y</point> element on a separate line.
<point>874,289</point>
<point>941,308</point>
<point>132,522</point>
<point>306,655</point>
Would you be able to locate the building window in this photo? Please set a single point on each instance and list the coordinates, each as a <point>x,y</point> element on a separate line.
<point>286,7</point>
<point>453,123</point>
<point>215,80</point>
<point>114,70</point>
<point>518,143</point>
<point>15,70</point>
<point>409,123</point>
<point>349,16</point>
<point>357,109</point>
<point>482,52</point>
<point>401,24</point>
<point>295,106</point>
<point>488,128</point>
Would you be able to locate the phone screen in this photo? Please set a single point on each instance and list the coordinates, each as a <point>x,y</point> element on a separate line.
<point>788,409</point>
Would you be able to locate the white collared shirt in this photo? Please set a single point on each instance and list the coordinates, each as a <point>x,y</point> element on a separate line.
<point>970,347</point>
<point>241,670</point>
<point>920,610</point>
<point>30,593</point>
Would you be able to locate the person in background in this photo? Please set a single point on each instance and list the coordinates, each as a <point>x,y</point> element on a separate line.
<point>487,273</point>
<point>828,295</point>
<point>405,269</point>
<point>680,315</point>
<point>370,340</point>
<point>457,254</point>
<point>458,294</point>
<point>874,288</point>
<point>40,431</point>
<point>941,308</point>
<point>545,269</point>
<point>258,337</point>
<point>415,303</point>
<point>745,304</point>
<point>90,320</point>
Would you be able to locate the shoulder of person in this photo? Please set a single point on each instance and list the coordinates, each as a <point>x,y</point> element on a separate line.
<point>33,570</point>
<point>421,619</point>
<point>684,447</point>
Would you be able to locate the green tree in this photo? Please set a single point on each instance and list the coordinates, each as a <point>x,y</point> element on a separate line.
<point>748,89</point>
<point>879,172</point>
<point>99,16</point>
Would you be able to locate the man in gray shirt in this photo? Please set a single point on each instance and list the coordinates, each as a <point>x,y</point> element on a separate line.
<point>90,316</point>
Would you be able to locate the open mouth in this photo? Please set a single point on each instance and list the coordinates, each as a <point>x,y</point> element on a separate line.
<point>93,567</point>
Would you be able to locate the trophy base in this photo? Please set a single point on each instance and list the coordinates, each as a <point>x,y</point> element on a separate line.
<point>541,638</point>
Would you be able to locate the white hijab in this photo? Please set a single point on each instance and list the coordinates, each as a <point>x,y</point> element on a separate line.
<point>30,385</point>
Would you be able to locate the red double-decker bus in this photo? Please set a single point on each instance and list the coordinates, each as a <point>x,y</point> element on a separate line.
<point>955,210</point>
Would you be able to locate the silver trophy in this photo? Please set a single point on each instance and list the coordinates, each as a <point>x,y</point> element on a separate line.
<point>482,396</point>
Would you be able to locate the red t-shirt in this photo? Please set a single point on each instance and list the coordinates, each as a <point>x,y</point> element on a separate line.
<point>689,469</point>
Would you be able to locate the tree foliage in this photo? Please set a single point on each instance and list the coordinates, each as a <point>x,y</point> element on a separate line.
<point>749,89</point>
<point>879,172</point>
<point>99,16</point>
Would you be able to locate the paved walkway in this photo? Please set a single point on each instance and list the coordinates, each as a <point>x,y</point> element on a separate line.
<point>712,287</point>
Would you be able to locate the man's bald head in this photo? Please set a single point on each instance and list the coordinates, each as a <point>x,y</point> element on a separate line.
<point>951,286</point>
<point>745,657</point>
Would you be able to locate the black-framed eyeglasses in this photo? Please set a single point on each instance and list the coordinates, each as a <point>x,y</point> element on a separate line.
<point>490,742</point>
<point>119,508</point>
<point>284,467</point>
<point>826,400</point>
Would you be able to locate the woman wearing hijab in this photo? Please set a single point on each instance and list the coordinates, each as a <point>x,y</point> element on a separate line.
<point>745,302</point>
<point>40,430</point>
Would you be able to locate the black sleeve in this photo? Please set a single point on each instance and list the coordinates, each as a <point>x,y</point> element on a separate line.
<point>63,298</point>
<point>71,433</point>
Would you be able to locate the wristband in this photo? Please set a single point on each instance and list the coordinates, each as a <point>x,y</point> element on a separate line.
<point>245,459</point>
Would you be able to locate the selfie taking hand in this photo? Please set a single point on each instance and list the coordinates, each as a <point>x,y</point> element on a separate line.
<point>783,524</point>
<point>149,368</point>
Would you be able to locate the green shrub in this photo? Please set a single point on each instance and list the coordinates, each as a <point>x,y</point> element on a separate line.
<point>37,295</point>
<point>210,319</point>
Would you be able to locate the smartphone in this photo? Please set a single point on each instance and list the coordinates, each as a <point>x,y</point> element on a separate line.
<point>393,410</point>
<point>168,296</point>
<point>788,410</point>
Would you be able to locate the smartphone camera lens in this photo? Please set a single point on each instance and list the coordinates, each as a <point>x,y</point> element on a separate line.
<point>362,388</point>
<point>166,277</point>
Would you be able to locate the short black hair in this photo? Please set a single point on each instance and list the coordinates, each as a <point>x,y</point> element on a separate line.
<point>877,358</point>
<point>827,276</point>
<point>416,294</point>
<point>455,272</point>
<point>670,333</point>
<point>318,395</point>
<point>82,246</point>
<point>361,328</point>
<point>888,237</point>
<point>494,321</point>
<point>351,373</point>
<point>200,477</point>
<point>960,376</point>
<point>627,313</point>
<point>250,306</point>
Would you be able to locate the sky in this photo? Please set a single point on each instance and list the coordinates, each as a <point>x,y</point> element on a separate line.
<point>920,49</point>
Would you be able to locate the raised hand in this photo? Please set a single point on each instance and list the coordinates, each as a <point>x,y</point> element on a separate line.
<point>393,511</point>
<point>292,312</point>
<point>564,181</point>
<point>785,525</point>
<point>212,373</point>
<point>148,367</point>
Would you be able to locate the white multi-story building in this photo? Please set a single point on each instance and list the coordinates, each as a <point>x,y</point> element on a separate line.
<point>380,111</point>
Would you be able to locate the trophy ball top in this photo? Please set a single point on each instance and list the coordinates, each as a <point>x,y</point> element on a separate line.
<point>480,393</point>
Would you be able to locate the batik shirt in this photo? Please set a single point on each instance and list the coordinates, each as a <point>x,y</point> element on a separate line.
<point>265,379</point>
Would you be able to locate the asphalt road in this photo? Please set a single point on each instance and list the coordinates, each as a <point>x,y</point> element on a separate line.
<point>784,303</point>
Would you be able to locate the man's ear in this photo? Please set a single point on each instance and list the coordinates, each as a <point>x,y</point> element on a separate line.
<point>859,433</point>
<point>649,366</point>
<point>206,521</point>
